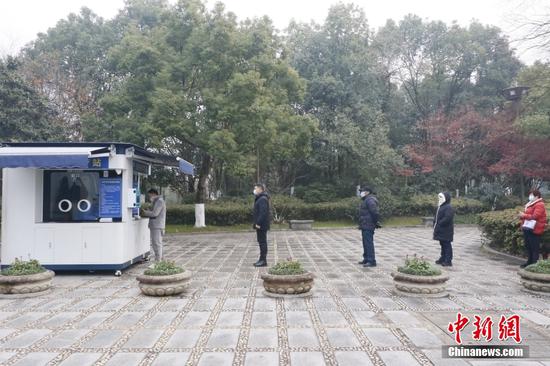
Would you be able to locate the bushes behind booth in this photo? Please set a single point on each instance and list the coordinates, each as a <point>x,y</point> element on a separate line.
<point>234,211</point>
<point>501,230</point>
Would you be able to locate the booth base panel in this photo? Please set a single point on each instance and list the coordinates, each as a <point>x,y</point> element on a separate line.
<point>91,266</point>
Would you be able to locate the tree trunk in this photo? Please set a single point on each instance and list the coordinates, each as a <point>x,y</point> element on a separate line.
<point>204,172</point>
<point>257,165</point>
<point>522,186</point>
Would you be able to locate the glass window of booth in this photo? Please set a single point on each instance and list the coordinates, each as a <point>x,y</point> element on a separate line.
<point>81,195</point>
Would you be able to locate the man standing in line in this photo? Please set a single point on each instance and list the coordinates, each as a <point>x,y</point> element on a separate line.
<point>261,222</point>
<point>444,229</point>
<point>368,222</point>
<point>157,221</point>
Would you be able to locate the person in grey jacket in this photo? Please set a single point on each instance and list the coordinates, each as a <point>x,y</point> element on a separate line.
<point>157,221</point>
<point>368,222</point>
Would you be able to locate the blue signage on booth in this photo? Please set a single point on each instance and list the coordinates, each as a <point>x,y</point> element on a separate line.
<point>99,163</point>
<point>110,197</point>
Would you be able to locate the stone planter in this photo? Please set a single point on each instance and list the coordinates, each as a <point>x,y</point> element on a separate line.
<point>301,224</point>
<point>538,282</point>
<point>164,285</point>
<point>26,284</point>
<point>421,286</point>
<point>288,285</point>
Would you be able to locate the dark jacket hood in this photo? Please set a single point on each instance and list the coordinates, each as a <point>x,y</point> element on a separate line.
<point>447,197</point>
<point>263,194</point>
<point>370,195</point>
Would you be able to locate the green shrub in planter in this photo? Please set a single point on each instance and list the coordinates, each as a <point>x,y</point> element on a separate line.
<point>23,268</point>
<point>418,266</point>
<point>288,267</point>
<point>539,267</point>
<point>164,268</point>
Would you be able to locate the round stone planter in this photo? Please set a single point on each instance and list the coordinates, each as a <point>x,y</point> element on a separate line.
<point>420,286</point>
<point>164,285</point>
<point>26,284</point>
<point>537,282</point>
<point>288,285</point>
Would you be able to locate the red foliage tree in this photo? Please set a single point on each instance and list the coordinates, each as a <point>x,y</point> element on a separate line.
<point>452,147</point>
<point>469,145</point>
<point>519,156</point>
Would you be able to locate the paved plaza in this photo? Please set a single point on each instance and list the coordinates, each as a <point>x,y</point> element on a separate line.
<point>353,318</point>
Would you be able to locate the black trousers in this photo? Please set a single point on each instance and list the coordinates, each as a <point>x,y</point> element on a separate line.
<point>261,235</point>
<point>446,251</point>
<point>532,245</point>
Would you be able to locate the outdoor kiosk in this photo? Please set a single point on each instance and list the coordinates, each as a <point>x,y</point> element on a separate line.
<point>75,206</point>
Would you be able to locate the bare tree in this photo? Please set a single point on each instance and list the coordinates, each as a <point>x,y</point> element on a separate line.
<point>531,23</point>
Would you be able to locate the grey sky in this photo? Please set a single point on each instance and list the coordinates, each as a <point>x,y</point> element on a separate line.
<point>21,20</point>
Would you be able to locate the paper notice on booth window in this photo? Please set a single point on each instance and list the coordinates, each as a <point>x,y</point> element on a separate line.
<point>110,197</point>
<point>529,224</point>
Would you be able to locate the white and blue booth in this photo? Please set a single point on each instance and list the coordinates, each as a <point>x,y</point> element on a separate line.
<point>75,206</point>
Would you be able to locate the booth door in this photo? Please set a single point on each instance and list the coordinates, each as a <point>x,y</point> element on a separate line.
<point>91,245</point>
<point>44,245</point>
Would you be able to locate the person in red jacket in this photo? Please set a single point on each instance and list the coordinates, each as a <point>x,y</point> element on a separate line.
<point>533,223</point>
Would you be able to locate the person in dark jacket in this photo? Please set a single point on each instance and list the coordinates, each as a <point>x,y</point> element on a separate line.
<point>444,229</point>
<point>261,222</point>
<point>368,222</point>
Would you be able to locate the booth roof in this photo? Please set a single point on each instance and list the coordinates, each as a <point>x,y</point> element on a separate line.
<point>91,148</point>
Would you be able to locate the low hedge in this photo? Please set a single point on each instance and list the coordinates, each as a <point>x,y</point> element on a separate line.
<point>239,211</point>
<point>425,205</point>
<point>501,230</point>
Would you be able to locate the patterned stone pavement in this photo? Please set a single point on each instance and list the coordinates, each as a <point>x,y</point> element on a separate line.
<point>353,318</point>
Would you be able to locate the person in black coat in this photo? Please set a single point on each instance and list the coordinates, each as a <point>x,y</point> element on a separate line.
<point>444,229</point>
<point>368,222</point>
<point>261,222</point>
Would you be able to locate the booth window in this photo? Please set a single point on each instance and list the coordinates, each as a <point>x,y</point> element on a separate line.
<point>73,196</point>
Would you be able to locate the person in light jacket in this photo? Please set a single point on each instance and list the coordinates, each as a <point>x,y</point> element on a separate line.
<point>533,223</point>
<point>444,229</point>
<point>157,222</point>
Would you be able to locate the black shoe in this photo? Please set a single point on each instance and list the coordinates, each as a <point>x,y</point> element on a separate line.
<point>369,264</point>
<point>439,261</point>
<point>524,265</point>
<point>260,264</point>
<point>447,264</point>
<point>362,262</point>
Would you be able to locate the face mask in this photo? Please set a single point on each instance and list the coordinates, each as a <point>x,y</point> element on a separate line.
<point>441,199</point>
<point>363,194</point>
<point>531,197</point>
<point>254,192</point>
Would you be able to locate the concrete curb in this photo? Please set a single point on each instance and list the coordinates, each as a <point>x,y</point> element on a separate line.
<point>488,250</point>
